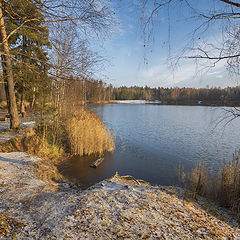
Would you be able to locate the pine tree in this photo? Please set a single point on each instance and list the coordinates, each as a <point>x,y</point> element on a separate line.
<point>7,71</point>
<point>28,46</point>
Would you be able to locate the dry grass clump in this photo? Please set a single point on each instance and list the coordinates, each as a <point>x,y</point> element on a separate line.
<point>8,227</point>
<point>198,179</point>
<point>87,134</point>
<point>33,144</point>
<point>3,104</point>
<point>223,187</point>
<point>229,184</point>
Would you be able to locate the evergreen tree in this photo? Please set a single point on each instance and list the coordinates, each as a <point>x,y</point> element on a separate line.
<point>7,71</point>
<point>28,46</point>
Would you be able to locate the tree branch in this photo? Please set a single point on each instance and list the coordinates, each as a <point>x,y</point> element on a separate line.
<point>231,3</point>
<point>213,58</point>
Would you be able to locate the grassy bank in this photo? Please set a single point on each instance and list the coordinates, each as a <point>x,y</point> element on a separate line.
<point>56,138</point>
<point>76,131</point>
<point>32,143</point>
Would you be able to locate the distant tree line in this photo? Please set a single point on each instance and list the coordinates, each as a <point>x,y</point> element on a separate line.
<point>208,96</point>
<point>75,88</point>
<point>87,90</point>
<point>79,90</point>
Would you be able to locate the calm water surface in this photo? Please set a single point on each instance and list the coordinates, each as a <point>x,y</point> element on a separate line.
<point>151,141</point>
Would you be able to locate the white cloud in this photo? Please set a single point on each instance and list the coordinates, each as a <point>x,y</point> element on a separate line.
<point>219,76</point>
<point>186,73</point>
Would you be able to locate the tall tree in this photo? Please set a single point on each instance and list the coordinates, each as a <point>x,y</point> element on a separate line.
<point>7,73</point>
<point>29,47</point>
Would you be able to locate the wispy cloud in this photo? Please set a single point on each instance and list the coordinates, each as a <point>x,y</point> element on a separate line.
<point>188,72</point>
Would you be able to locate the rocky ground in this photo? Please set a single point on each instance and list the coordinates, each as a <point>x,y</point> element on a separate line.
<point>6,135</point>
<point>117,208</point>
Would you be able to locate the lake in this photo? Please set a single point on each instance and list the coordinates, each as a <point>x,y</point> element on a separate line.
<point>152,140</point>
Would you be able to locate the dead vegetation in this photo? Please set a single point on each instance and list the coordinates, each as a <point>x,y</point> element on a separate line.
<point>223,187</point>
<point>8,226</point>
<point>86,134</point>
<point>33,144</point>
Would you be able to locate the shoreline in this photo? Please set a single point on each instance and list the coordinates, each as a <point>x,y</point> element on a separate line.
<point>115,208</point>
<point>157,102</point>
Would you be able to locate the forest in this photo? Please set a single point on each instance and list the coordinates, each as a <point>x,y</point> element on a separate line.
<point>229,96</point>
<point>47,56</point>
<point>48,70</point>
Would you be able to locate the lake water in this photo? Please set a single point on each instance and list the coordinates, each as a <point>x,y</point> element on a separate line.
<point>152,140</point>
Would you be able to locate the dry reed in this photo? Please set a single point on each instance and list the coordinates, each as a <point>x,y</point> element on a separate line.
<point>87,134</point>
<point>223,187</point>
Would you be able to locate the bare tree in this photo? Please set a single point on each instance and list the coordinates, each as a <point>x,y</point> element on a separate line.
<point>224,12</point>
<point>70,58</point>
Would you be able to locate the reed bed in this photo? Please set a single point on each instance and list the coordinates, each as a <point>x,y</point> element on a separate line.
<point>86,134</point>
<point>223,187</point>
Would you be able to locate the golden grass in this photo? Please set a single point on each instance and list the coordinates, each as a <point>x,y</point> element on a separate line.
<point>3,104</point>
<point>87,134</point>
<point>223,187</point>
<point>229,184</point>
<point>33,144</point>
<point>198,179</point>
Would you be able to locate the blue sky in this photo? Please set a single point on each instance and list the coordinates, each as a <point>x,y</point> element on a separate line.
<point>130,63</point>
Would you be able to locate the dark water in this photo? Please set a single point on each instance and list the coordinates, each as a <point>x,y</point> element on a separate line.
<point>151,141</point>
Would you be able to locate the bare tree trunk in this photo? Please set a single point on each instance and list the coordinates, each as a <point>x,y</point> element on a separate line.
<point>22,105</point>
<point>8,74</point>
<point>33,98</point>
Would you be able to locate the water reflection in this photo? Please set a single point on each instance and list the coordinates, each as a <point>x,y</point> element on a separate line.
<point>151,141</point>
<point>78,169</point>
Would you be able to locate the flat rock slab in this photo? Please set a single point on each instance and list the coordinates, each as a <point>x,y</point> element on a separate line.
<point>113,209</point>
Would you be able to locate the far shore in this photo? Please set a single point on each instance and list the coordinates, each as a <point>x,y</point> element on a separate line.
<point>177,103</point>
